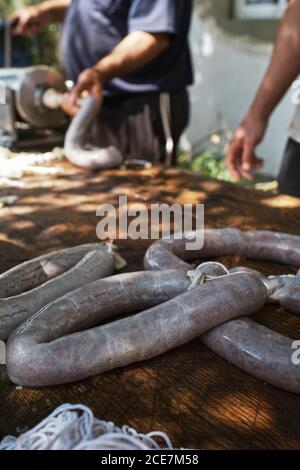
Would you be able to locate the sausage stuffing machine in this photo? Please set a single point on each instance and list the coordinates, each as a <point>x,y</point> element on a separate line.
<point>30,111</point>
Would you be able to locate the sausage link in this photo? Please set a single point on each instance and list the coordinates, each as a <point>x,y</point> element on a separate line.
<point>35,272</point>
<point>15,310</point>
<point>252,347</point>
<point>75,149</point>
<point>48,349</point>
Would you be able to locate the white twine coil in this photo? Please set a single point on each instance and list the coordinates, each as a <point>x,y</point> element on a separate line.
<point>74,427</point>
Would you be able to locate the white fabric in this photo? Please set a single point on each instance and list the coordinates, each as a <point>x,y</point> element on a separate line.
<point>294,130</point>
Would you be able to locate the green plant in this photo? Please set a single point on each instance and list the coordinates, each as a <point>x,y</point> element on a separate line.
<point>213,166</point>
<point>208,164</point>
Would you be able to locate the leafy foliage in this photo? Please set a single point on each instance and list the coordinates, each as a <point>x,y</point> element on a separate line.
<point>209,165</point>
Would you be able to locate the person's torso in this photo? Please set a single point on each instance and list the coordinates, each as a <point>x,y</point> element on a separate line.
<point>94,27</point>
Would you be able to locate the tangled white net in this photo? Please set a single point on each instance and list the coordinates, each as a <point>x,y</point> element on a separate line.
<point>74,427</point>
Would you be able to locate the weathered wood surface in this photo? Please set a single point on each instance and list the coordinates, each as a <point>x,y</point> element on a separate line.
<point>198,399</point>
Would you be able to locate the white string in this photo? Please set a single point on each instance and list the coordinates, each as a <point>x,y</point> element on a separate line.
<point>74,427</point>
<point>113,250</point>
<point>198,277</point>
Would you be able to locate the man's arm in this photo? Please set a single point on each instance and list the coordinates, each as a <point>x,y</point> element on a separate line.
<point>282,71</point>
<point>31,20</point>
<point>136,50</point>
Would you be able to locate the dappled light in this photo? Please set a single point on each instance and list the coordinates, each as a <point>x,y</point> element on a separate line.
<point>150,114</point>
<point>186,389</point>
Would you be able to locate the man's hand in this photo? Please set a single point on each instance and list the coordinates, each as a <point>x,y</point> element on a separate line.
<point>132,53</point>
<point>31,20</point>
<point>89,82</point>
<point>28,21</point>
<point>241,157</point>
<point>284,68</point>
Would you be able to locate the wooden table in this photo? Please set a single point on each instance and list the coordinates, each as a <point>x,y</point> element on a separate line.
<point>200,400</point>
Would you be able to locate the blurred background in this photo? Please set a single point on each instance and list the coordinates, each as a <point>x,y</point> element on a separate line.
<point>40,50</point>
<point>231,43</point>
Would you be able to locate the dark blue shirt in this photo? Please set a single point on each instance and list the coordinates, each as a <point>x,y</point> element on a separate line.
<point>94,27</point>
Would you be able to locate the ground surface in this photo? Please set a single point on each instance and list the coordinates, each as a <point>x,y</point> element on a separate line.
<point>198,399</point>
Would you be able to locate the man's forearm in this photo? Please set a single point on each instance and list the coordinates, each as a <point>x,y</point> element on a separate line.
<point>285,64</point>
<point>135,51</point>
<point>54,10</point>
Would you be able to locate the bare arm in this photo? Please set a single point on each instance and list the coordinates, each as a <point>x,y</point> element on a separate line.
<point>31,20</point>
<point>285,64</point>
<point>136,50</point>
<point>282,71</point>
<point>54,10</point>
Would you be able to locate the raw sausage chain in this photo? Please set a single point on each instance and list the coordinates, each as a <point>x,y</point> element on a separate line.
<point>66,316</point>
<point>77,149</point>
<point>251,347</point>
